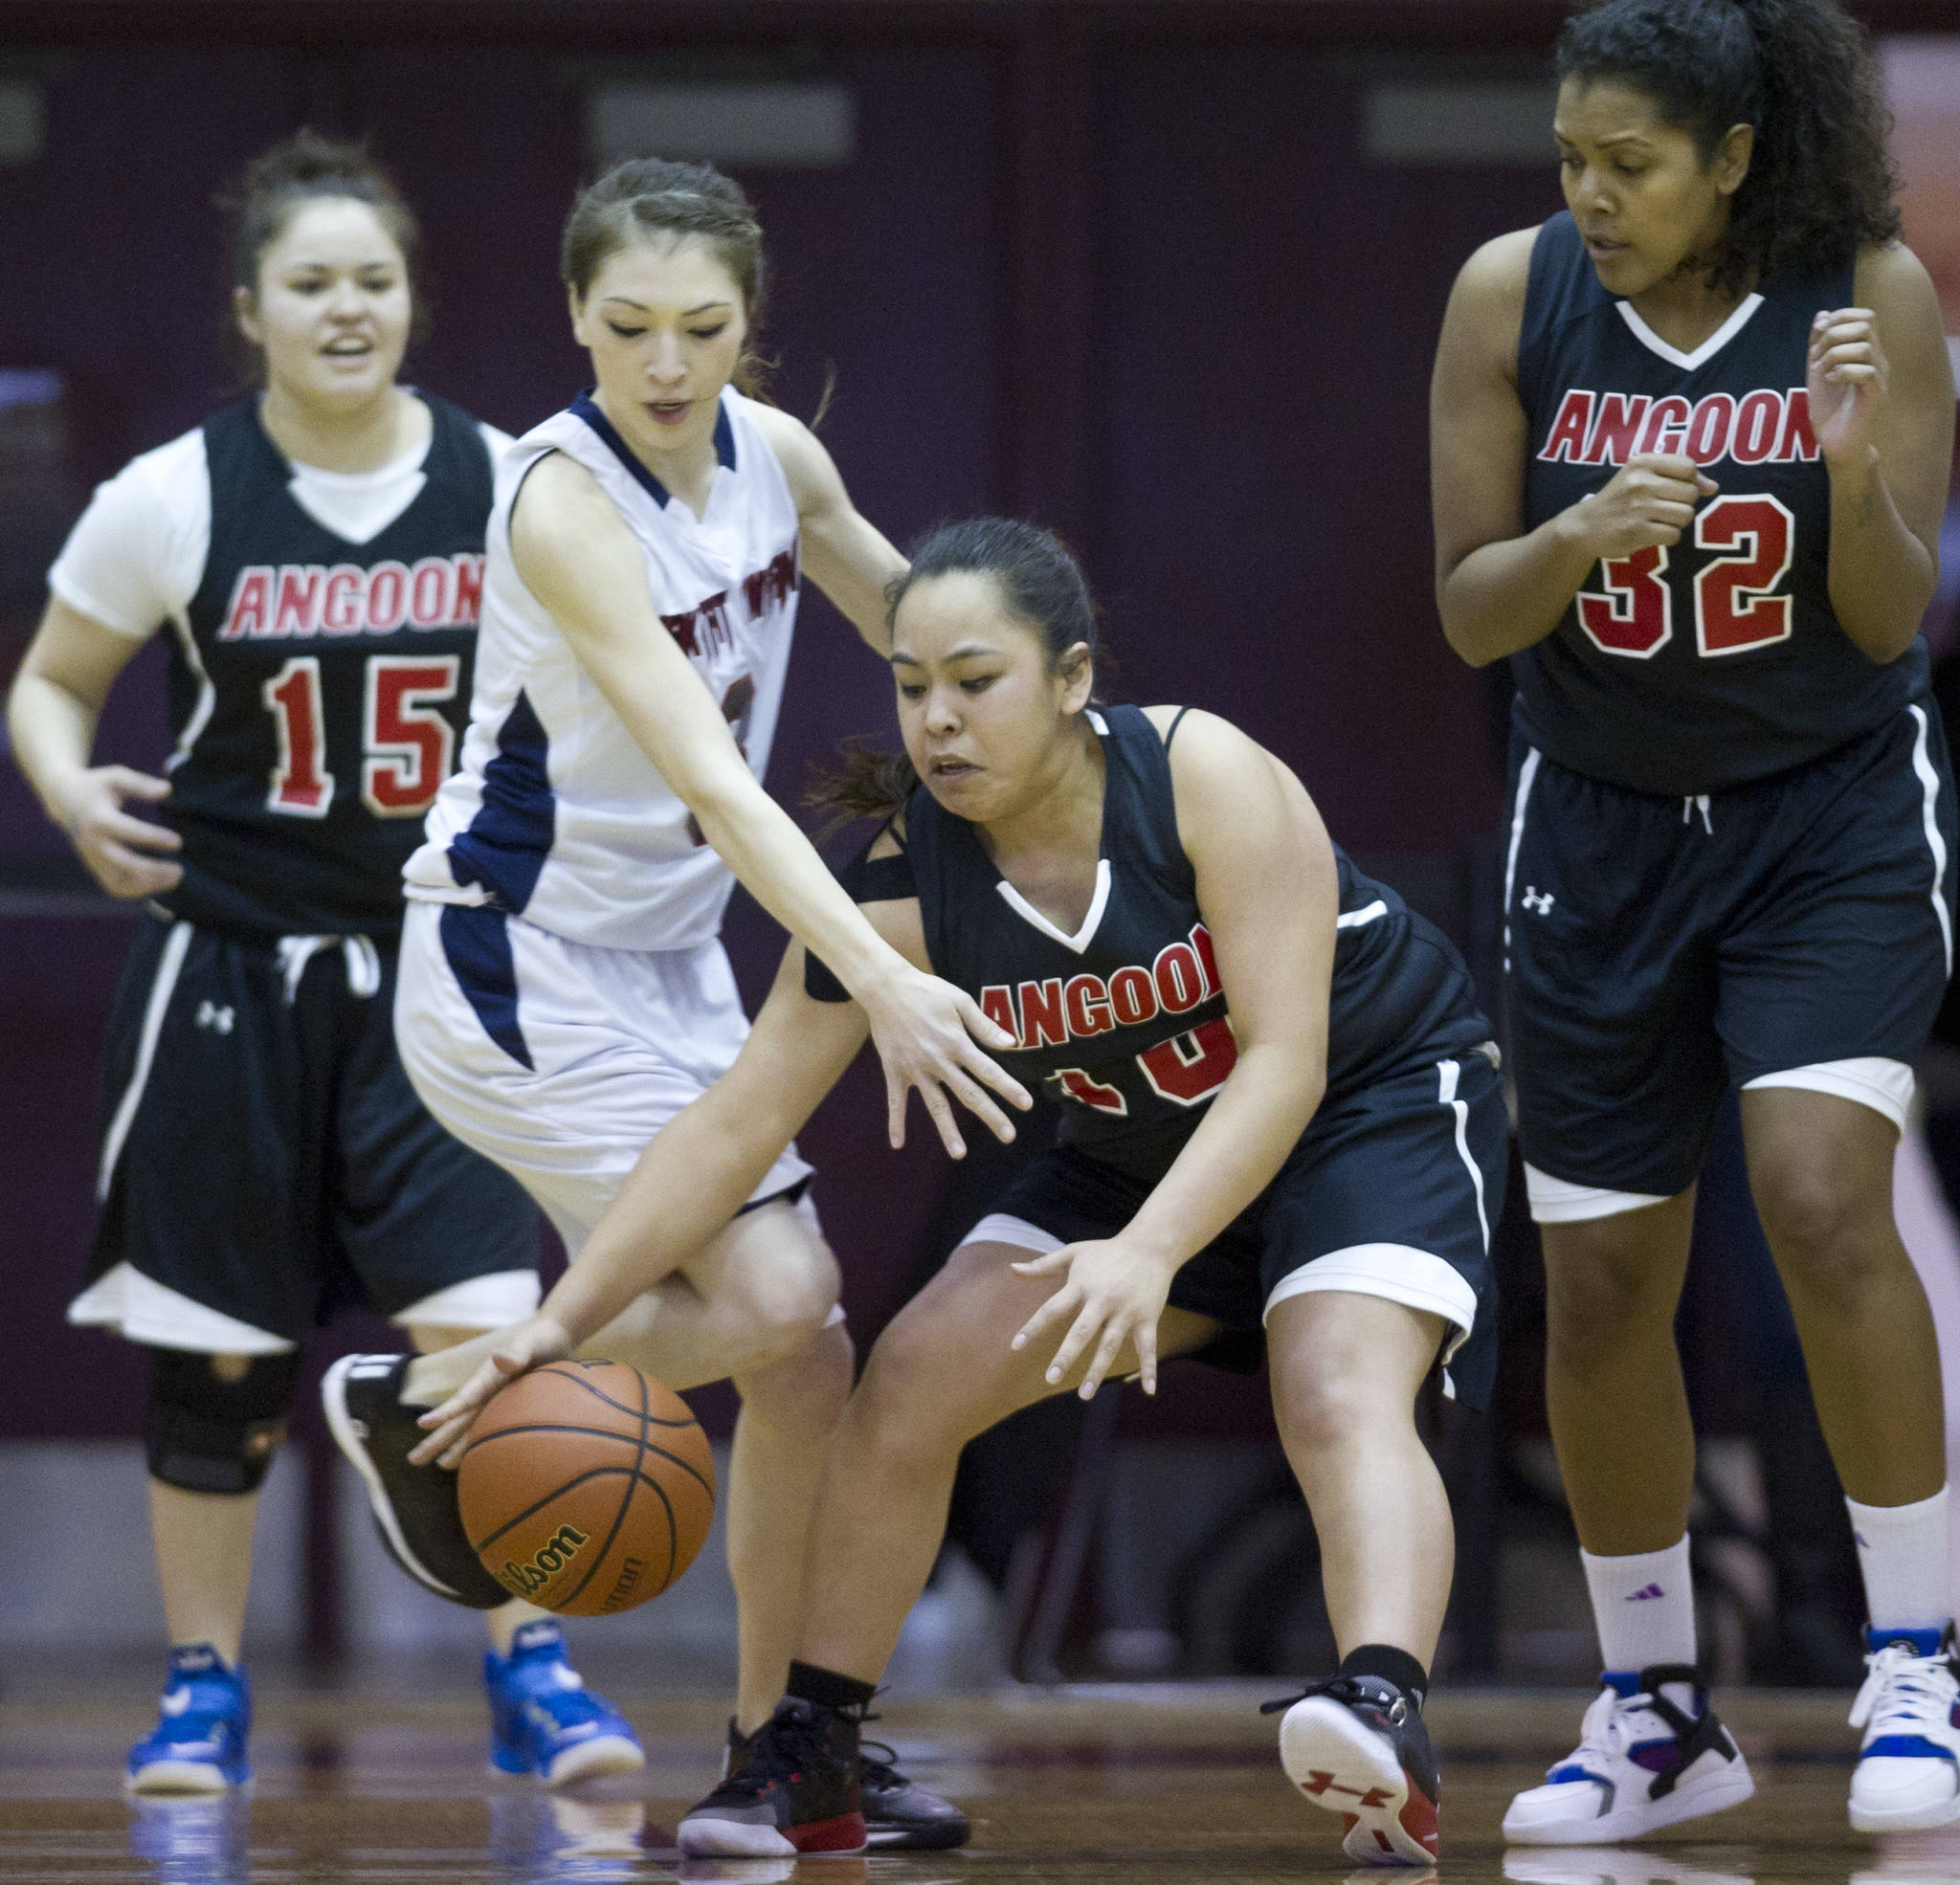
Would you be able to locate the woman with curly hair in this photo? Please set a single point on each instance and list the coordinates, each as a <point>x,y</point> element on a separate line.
<point>1692,441</point>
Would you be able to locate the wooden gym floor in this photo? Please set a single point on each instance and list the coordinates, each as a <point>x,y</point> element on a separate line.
<point>1080,1786</point>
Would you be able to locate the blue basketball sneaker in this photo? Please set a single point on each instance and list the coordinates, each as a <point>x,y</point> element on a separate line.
<point>1907,1777</point>
<point>543,1720</point>
<point>198,1745</point>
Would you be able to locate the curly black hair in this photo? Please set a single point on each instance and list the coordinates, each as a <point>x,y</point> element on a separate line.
<point>1821,182</point>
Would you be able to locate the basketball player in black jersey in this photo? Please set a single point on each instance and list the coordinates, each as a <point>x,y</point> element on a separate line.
<point>316,549</point>
<point>1280,1113</point>
<point>1692,441</point>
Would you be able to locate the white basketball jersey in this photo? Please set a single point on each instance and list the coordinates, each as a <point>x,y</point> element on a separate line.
<point>554,812</point>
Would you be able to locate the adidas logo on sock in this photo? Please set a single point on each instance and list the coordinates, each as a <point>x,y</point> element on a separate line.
<point>1646,1595</point>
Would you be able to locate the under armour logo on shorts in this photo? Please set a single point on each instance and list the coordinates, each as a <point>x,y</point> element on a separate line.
<point>210,1015</point>
<point>1537,899</point>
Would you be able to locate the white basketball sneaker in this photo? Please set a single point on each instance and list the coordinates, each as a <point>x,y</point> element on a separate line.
<point>1907,1776</point>
<point>1641,1764</point>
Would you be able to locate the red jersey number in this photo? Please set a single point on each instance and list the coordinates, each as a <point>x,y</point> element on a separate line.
<point>408,745</point>
<point>1734,606</point>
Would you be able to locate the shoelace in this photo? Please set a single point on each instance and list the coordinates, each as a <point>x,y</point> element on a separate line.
<point>1341,1688</point>
<point>1902,1686</point>
<point>882,1771</point>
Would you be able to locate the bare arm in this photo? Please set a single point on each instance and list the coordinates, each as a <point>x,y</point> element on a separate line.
<point>1881,406</point>
<point>1498,586</point>
<point>52,712</point>
<point>1270,892</point>
<point>845,556</point>
<point>696,1173</point>
<point>578,558</point>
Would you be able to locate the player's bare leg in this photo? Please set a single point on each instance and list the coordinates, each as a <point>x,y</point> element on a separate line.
<point>1626,1448</point>
<point>790,1409</point>
<point>1821,1170</point>
<point>204,1563</point>
<point>940,1374</point>
<point>1613,1390</point>
<point>1346,1369</point>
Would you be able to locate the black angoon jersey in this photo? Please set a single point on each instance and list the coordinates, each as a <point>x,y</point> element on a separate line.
<point>1125,1021</point>
<point>327,683</point>
<point>1720,660</point>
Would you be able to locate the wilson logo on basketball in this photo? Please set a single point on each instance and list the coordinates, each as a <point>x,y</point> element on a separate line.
<point>553,1557</point>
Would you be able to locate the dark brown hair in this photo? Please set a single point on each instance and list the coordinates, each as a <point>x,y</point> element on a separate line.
<point>652,196</point>
<point>1820,181</point>
<point>301,170</point>
<point>1043,587</point>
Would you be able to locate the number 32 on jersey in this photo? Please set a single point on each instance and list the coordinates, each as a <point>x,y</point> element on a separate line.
<point>408,745</point>
<point>1755,538</point>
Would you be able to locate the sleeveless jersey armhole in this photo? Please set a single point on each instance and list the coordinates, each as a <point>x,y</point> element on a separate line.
<point>867,879</point>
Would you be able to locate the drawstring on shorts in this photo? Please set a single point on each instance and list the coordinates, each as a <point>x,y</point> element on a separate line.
<point>1693,802</point>
<point>363,962</point>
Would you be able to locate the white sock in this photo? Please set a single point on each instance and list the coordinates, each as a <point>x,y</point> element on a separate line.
<point>1644,1604</point>
<point>1901,1550</point>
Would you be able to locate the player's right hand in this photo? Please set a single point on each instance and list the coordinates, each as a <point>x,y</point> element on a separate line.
<point>114,844</point>
<point>1648,502</point>
<point>925,1031</point>
<point>529,1344</point>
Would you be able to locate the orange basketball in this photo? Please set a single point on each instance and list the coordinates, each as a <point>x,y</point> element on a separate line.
<point>586,1487</point>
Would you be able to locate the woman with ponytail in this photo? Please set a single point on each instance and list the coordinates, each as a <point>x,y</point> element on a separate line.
<point>1691,446</point>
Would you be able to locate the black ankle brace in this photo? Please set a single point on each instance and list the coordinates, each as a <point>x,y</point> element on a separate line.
<point>810,1681</point>
<point>1392,1664</point>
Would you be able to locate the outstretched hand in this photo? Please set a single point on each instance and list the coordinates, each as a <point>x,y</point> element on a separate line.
<point>1116,1295</point>
<point>926,1032</point>
<point>531,1343</point>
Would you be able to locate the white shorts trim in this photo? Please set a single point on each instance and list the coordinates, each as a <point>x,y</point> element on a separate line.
<point>144,1310</point>
<point>1559,1201</point>
<point>1398,1272</point>
<point>1869,1080</point>
<point>1000,1227</point>
<point>170,966</point>
<point>1526,773</point>
<point>1929,787</point>
<point>477,1303</point>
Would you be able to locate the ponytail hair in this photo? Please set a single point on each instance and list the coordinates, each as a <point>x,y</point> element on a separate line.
<point>1043,587</point>
<point>1821,182</point>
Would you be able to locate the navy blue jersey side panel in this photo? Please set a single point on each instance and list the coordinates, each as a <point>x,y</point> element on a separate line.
<point>329,689</point>
<point>1719,660</point>
<point>1125,1021</point>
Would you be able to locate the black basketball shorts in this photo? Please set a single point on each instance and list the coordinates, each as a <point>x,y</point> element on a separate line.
<point>1392,1191</point>
<point>264,1160</point>
<point>1793,932</point>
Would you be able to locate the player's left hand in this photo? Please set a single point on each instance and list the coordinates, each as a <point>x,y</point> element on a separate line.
<point>526,1345</point>
<point>1116,1293</point>
<point>1846,382</point>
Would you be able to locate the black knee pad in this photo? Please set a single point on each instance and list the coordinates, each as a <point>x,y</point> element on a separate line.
<point>206,1434</point>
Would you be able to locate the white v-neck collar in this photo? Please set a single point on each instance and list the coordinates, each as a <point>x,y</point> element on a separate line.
<point>1083,937</point>
<point>1708,348</point>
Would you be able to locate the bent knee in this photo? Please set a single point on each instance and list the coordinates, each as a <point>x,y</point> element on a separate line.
<point>1321,1408</point>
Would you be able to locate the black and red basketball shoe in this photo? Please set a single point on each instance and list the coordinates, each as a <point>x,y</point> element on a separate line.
<point>1357,1746</point>
<point>899,1815</point>
<point>794,1790</point>
<point>416,1508</point>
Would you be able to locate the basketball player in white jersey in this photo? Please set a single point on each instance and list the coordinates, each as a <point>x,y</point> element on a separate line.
<point>563,991</point>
